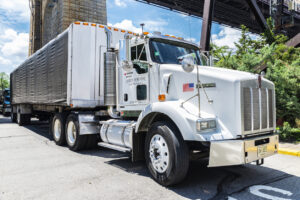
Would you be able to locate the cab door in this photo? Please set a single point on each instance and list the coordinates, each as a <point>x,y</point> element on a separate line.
<point>134,84</point>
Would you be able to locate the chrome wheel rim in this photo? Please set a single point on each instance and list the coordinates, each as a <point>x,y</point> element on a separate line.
<point>57,130</point>
<point>159,153</point>
<point>71,132</point>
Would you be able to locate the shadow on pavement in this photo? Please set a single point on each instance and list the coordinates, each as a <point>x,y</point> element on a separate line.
<point>4,120</point>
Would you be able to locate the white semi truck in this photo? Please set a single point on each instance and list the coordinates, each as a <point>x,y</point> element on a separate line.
<point>150,95</point>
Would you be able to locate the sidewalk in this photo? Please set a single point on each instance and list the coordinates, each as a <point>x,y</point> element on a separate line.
<point>289,149</point>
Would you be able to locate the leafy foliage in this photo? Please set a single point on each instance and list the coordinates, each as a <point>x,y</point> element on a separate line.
<point>4,81</point>
<point>282,65</point>
<point>289,134</point>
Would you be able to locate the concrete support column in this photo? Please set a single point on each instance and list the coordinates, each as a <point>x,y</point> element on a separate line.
<point>206,24</point>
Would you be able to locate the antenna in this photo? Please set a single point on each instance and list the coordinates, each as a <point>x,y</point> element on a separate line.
<point>142,25</point>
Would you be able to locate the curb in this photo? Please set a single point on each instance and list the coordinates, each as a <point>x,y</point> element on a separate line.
<point>289,152</point>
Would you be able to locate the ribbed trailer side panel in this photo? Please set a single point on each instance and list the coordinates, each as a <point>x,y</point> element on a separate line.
<point>42,79</point>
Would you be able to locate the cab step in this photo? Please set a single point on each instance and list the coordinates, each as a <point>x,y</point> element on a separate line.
<point>114,147</point>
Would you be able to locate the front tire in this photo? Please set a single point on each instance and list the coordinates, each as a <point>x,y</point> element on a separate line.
<point>166,154</point>
<point>75,141</point>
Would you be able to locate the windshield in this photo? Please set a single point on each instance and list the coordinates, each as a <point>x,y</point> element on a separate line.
<point>168,52</point>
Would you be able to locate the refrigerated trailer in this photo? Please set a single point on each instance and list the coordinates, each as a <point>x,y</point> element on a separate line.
<point>152,96</point>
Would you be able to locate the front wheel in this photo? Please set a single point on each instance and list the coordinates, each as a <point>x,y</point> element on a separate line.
<point>166,154</point>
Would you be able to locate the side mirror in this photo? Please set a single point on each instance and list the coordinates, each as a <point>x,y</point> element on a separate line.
<point>188,63</point>
<point>125,54</point>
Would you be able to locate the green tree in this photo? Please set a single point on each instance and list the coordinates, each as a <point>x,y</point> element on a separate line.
<point>4,81</point>
<point>282,66</point>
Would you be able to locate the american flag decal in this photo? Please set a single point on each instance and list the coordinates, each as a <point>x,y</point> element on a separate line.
<point>188,87</point>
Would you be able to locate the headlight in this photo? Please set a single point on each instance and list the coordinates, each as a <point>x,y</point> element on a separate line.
<point>205,125</point>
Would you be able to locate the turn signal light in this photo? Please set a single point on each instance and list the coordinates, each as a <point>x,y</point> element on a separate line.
<point>162,97</point>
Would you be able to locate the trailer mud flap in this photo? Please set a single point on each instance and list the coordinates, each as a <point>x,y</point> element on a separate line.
<point>88,125</point>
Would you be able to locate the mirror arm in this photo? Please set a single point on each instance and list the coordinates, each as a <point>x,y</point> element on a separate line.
<point>141,52</point>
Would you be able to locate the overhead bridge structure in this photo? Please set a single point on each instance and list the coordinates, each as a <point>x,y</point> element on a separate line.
<point>251,13</point>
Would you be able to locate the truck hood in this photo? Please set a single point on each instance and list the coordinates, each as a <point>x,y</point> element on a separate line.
<point>223,87</point>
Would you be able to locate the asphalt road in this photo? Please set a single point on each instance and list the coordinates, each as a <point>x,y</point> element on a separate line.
<point>33,167</point>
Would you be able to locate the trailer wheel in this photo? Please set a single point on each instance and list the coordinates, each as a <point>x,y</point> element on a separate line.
<point>13,117</point>
<point>23,119</point>
<point>58,129</point>
<point>75,141</point>
<point>166,154</point>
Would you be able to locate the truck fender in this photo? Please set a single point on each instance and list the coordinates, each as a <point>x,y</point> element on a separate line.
<point>185,122</point>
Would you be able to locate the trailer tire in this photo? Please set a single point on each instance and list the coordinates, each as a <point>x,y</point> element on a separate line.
<point>92,141</point>
<point>23,119</point>
<point>75,141</point>
<point>13,117</point>
<point>165,144</point>
<point>58,129</point>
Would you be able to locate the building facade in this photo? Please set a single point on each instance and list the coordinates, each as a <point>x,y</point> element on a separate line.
<point>51,17</point>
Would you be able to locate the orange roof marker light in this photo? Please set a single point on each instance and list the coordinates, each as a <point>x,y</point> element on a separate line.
<point>146,33</point>
<point>180,38</point>
<point>123,31</point>
<point>85,23</point>
<point>109,28</point>
<point>115,29</point>
<point>173,36</point>
<point>129,32</point>
<point>77,23</point>
<point>93,25</point>
<point>101,26</point>
<point>167,35</point>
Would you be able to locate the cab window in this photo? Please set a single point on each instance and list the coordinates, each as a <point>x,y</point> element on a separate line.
<point>139,52</point>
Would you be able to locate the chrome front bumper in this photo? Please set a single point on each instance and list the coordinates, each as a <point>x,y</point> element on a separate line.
<point>238,152</point>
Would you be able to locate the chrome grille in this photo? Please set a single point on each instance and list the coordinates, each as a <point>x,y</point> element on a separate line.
<point>271,106</point>
<point>247,109</point>
<point>257,109</point>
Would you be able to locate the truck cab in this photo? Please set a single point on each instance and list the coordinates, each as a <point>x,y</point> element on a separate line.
<point>167,92</point>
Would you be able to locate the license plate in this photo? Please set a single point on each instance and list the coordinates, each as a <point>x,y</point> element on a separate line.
<point>262,151</point>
